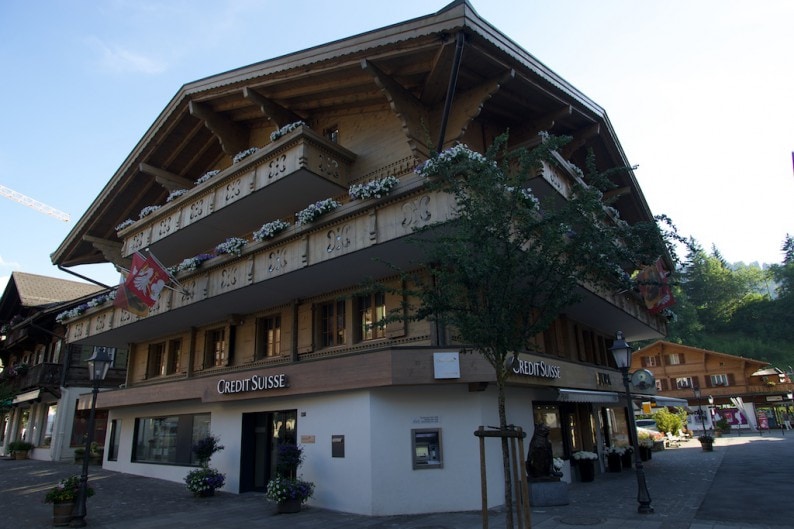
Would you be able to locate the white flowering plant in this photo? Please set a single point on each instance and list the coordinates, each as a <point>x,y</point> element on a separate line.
<point>270,229</point>
<point>242,155</point>
<point>191,263</point>
<point>459,154</point>
<point>557,463</point>
<point>232,245</point>
<point>148,210</point>
<point>126,224</point>
<point>373,188</point>
<point>82,307</point>
<point>286,129</point>
<point>176,193</point>
<point>206,176</point>
<point>584,455</point>
<point>314,211</point>
<point>615,450</point>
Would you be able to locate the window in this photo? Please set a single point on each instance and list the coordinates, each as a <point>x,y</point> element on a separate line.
<point>174,356</point>
<point>215,348</point>
<point>268,337</point>
<point>683,382</point>
<point>113,449</point>
<point>719,380</point>
<point>675,359</point>
<point>659,385</point>
<point>649,361</point>
<point>426,445</point>
<point>332,134</point>
<point>332,324</point>
<point>50,425</point>
<point>169,440</point>
<point>371,312</point>
<point>155,365</point>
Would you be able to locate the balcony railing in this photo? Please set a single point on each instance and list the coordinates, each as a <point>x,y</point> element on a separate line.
<point>35,376</point>
<point>275,182</point>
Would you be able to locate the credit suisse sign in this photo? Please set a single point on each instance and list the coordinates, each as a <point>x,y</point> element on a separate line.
<point>253,383</point>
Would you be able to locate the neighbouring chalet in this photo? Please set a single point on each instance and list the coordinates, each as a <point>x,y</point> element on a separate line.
<point>42,377</point>
<point>274,344</point>
<point>747,392</point>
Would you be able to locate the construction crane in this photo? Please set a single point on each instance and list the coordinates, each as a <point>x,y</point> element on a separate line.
<point>35,204</point>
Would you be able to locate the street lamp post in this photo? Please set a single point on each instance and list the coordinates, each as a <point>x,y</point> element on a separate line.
<point>621,351</point>
<point>98,366</point>
<point>700,409</point>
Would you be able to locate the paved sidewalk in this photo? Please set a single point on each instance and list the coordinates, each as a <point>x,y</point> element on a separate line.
<point>681,481</point>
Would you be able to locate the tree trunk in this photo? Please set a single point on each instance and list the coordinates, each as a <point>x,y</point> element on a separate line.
<point>500,389</point>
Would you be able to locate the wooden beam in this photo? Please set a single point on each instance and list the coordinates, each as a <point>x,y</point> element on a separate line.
<point>233,138</point>
<point>167,179</point>
<point>580,139</point>
<point>409,110</point>
<point>616,193</point>
<point>437,80</point>
<point>278,114</point>
<point>467,106</point>
<point>111,250</point>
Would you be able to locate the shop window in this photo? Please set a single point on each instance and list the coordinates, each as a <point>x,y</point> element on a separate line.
<point>174,356</point>
<point>80,427</point>
<point>549,415</point>
<point>426,447</point>
<point>268,334</point>
<point>52,410</point>
<point>155,365</point>
<point>332,324</point>
<point>169,440</point>
<point>215,348</point>
<point>371,313</point>
<point>115,432</point>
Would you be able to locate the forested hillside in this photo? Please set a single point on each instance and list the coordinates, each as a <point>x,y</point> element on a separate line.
<point>739,309</point>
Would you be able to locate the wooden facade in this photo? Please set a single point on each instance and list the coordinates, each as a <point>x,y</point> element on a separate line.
<point>371,106</point>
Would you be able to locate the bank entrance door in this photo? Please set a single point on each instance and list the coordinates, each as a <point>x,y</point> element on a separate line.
<point>262,434</point>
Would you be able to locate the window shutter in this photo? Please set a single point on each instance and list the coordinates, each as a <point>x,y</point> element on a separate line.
<point>664,384</point>
<point>707,380</point>
<point>394,306</point>
<point>731,379</point>
<point>681,358</point>
<point>305,328</point>
<point>644,361</point>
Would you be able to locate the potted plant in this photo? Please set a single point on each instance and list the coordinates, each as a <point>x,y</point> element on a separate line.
<point>706,442</point>
<point>585,462</point>
<point>20,449</point>
<point>627,457</point>
<point>287,489</point>
<point>722,426</point>
<point>63,496</point>
<point>614,458</point>
<point>203,481</point>
<point>645,441</point>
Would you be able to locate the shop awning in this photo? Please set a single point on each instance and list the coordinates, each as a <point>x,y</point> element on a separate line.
<point>29,395</point>
<point>582,395</point>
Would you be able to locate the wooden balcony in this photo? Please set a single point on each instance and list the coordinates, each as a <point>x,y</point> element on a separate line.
<point>48,375</point>
<point>275,182</point>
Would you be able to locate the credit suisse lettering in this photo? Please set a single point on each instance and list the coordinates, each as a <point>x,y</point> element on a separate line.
<point>254,383</point>
<point>536,369</point>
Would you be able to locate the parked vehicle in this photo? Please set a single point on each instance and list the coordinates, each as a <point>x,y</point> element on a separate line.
<point>648,424</point>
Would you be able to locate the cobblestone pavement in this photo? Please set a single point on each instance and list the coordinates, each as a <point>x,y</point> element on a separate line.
<point>743,484</point>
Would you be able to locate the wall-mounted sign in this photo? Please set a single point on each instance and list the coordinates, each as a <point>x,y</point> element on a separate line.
<point>536,369</point>
<point>446,365</point>
<point>253,383</point>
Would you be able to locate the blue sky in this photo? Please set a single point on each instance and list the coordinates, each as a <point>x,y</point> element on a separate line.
<point>701,95</point>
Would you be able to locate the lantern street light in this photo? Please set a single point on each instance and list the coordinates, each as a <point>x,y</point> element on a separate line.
<point>621,351</point>
<point>98,366</point>
<point>696,390</point>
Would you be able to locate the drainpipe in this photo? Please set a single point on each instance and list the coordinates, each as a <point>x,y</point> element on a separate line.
<point>453,81</point>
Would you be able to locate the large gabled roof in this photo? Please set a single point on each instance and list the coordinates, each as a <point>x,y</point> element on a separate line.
<point>26,294</point>
<point>663,346</point>
<point>403,65</point>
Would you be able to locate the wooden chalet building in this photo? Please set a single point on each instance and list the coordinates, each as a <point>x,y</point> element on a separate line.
<point>42,377</point>
<point>273,345</point>
<point>747,392</point>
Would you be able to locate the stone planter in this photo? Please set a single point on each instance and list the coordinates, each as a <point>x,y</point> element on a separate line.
<point>646,453</point>
<point>627,459</point>
<point>707,446</point>
<point>614,463</point>
<point>586,470</point>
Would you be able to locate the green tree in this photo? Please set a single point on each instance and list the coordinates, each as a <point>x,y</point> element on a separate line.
<point>510,262</point>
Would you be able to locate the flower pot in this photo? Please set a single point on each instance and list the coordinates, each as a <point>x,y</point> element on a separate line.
<point>646,453</point>
<point>614,463</point>
<point>707,447</point>
<point>626,459</point>
<point>20,454</point>
<point>289,506</point>
<point>62,513</point>
<point>586,470</point>
<point>206,493</point>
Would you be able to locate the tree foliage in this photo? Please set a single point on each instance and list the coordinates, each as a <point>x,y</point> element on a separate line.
<point>511,261</point>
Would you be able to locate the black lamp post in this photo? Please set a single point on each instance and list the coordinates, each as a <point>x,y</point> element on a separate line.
<point>621,351</point>
<point>98,366</point>
<point>700,409</point>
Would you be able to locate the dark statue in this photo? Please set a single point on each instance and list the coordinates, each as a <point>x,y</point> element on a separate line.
<point>540,463</point>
